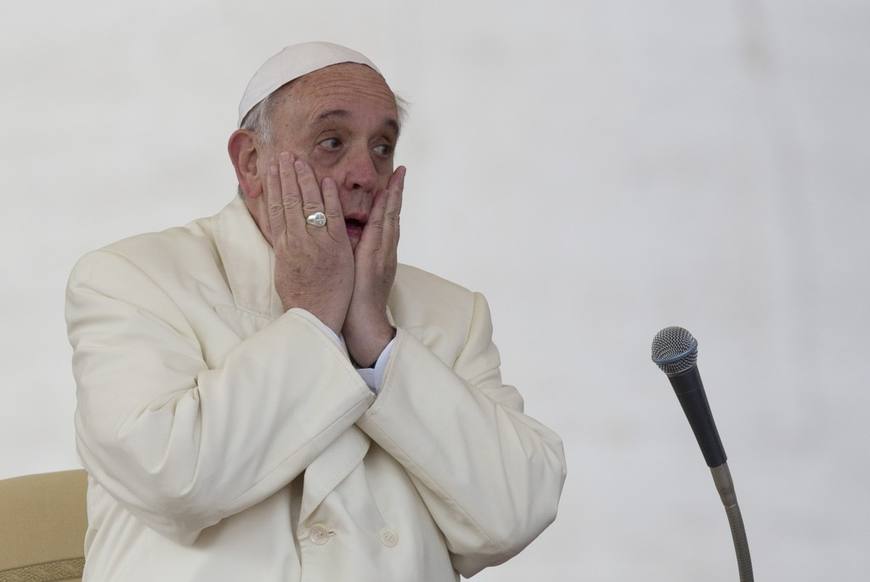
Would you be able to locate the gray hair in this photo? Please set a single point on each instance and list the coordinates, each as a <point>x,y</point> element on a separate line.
<point>259,119</point>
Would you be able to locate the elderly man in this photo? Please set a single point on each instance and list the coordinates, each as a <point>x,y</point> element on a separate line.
<point>265,395</point>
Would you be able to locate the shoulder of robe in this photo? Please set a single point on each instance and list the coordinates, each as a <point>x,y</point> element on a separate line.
<point>179,253</point>
<point>422,299</point>
<point>169,275</point>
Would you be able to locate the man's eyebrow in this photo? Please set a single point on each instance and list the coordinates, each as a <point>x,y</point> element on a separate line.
<point>332,113</point>
<point>389,122</point>
<point>393,124</point>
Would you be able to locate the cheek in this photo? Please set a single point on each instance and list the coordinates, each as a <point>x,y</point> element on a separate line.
<point>322,168</point>
<point>323,165</point>
<point>385,172</point>
<point>267,153</point>
<point>384,180</point>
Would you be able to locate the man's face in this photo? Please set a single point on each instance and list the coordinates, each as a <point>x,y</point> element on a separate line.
<point>343,121</point>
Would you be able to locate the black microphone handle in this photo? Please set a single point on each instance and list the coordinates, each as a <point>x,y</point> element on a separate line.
<point>693,399</point>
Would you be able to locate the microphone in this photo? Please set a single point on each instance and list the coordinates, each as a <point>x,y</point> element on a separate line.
<point>675,351</point>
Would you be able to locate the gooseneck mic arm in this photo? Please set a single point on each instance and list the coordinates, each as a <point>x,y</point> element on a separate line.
<point>675,351</point>
<point>722,479</point>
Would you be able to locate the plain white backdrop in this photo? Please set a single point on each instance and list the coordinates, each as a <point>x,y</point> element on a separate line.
<point>597,169</point>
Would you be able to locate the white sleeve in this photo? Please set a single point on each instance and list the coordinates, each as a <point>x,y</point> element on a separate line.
<point>182,443</point>
<point>490,475</point>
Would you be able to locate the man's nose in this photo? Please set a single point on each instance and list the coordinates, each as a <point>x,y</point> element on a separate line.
<point>360,171</point>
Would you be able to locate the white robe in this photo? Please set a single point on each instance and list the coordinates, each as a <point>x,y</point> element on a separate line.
<point>227,440</point>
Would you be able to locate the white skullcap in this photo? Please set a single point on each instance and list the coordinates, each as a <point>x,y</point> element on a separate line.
<point>291,63</point>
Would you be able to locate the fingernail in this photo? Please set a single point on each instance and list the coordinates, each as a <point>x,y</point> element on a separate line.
<point>284,156</point>
<point>299,165</point>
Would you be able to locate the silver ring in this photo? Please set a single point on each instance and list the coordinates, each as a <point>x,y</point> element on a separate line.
<point>316,219</point>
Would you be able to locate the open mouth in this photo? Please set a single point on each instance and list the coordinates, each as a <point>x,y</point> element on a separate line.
<point>355,224</point>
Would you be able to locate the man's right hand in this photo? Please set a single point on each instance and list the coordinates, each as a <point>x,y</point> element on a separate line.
<point>314,266</point>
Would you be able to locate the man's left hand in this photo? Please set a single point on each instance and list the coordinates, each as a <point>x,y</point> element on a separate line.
<point>367,331</point>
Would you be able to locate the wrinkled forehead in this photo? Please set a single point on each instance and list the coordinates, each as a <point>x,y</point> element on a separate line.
<point>344,83</point>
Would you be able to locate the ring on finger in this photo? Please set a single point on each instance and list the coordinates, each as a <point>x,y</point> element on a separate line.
<point>316,219</point>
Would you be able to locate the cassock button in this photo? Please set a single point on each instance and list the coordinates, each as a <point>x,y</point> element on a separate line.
<point>320,534</point>
<point>389,537</point>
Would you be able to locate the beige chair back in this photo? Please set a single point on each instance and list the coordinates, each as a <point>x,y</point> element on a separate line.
<point>42,527</point>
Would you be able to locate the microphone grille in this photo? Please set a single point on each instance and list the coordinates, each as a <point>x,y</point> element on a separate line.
<point>674,350</point>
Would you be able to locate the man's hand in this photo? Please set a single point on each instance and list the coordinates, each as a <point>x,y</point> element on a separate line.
<point>314,266</point>
<point>366,329</point>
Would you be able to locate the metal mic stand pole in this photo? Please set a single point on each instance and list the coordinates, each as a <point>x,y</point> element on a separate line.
<point>725,486</point>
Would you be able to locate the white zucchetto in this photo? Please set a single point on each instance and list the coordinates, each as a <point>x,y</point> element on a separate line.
<point>291,63</point>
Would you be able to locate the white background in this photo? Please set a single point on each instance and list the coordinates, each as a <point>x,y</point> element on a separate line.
<point>598,169</point>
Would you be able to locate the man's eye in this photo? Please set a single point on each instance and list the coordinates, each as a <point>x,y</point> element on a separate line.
<point>384,149</point>
<point>331,143</point>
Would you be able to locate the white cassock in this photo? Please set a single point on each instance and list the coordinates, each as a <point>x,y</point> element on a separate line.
<point>228,440</point>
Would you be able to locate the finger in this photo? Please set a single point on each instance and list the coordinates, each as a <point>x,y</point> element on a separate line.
<point>290,198</point>
<point>332,208</point>
<point>312,201</point>
<point>274,207</point>
<point>372,236</point>
<point>393,207</point>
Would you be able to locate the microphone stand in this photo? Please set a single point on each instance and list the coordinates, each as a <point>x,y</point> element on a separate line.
<point>725,487</point>
<point>675,352</point>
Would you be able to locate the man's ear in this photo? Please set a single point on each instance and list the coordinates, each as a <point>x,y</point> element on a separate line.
<point>242,148</point>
